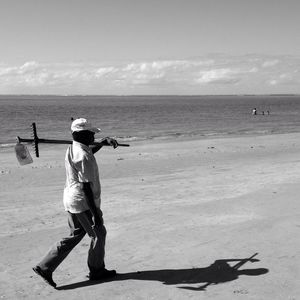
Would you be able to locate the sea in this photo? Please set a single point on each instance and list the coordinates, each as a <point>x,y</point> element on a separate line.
<point>140,118</point>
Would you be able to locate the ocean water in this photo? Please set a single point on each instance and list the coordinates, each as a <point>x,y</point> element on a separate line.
<point>131,118</point>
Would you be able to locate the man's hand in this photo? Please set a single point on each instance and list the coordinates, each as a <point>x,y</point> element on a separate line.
<point>104,142</point>
<point>111,142</point>
<point>97,221</point>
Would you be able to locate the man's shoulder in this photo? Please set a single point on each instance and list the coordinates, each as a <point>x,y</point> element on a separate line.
<point>81,148</point>
<point>80,152</point>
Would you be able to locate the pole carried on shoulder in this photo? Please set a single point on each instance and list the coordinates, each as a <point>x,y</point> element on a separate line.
<point>35,140</point>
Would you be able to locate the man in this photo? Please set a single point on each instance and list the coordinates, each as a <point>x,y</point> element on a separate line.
<point>82,203</point>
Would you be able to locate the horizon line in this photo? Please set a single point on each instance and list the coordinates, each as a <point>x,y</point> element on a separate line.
<point>145,95</point>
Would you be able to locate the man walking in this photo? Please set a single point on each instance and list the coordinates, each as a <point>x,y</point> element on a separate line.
<point>82,202</point>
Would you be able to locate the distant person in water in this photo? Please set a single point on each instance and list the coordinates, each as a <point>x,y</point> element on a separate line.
<point>254,111</point>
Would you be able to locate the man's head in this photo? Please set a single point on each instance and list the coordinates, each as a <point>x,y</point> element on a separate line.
<point>83,131</point>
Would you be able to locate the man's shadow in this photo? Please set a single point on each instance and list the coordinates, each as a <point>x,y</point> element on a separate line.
<point>218,272</point>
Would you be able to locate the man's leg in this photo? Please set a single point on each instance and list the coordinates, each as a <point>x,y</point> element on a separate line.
<point>60,250</point>
<point>97,247</point>
<point>98,236</point>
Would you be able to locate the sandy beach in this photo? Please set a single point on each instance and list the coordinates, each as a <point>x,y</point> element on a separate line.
<point>171,209</point>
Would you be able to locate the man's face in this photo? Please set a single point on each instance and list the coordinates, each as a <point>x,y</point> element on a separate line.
<point>90,137</point>
<point>85,137</point>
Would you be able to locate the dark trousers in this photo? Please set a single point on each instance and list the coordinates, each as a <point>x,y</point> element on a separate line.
<point>79,224</point>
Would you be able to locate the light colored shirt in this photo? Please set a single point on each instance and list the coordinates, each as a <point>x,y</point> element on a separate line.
<point>81,166</point>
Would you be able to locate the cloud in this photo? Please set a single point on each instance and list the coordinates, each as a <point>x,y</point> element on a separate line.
<point>28,67</point>
<point>285,79</point>
<point>105,71</point>
<point>270,63</point>
<point>253,70</point>
<point>4,71</point>
<point>219,76</point>
<point>273,82</point>
<point>206,74</point>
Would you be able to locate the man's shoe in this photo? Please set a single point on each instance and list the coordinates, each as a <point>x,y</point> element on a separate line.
<point>103,275</point>
<point>44,275</point>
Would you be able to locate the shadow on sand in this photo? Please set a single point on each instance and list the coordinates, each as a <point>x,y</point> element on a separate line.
<point>218,272</point>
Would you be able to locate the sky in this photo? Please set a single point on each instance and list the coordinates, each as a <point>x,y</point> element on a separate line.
<point>133,47</point>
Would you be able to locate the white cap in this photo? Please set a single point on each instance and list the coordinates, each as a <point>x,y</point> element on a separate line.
<point>83,124</point>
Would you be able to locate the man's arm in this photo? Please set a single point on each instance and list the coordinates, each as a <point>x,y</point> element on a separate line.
<point>86,187</point>
<point>105,142</point>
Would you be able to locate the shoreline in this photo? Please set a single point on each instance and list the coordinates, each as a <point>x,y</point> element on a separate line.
<point>177,138</point>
